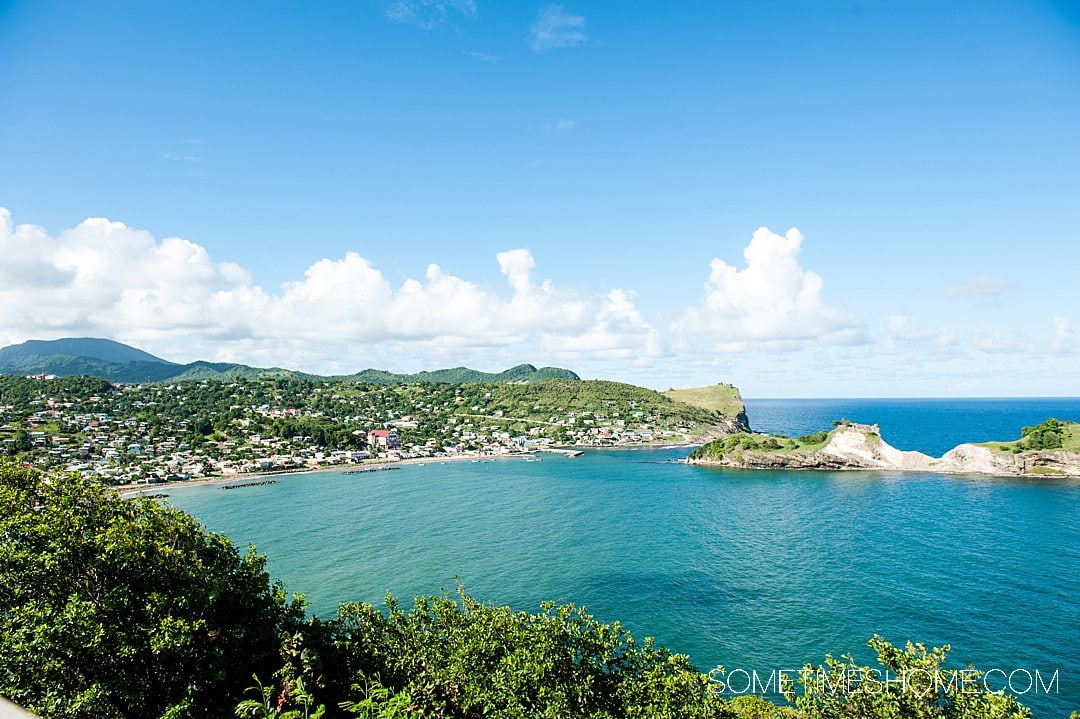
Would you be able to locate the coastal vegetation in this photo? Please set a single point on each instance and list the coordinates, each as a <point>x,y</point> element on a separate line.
<point>128,608</point>
<point>1051,434</point>
<point>1051,448</point>
<point>752,442</point>
<point>117,608</point>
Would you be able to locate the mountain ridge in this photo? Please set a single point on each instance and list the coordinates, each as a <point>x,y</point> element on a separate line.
<point>118,362</point>
<point>98,348</point>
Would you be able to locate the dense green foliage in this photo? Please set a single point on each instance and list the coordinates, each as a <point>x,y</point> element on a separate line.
<point>22,393</point>
<point>749,442</point>
<point>818,437</point>
<point>456,657</point>
<point>324,432</point>
<point>120,608</point>
<point>912,682</point>
<point>1051,434</point>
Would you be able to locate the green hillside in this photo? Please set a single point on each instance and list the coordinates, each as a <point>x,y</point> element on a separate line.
<point>599,398</point>
<point>138,371</point>
<point>103,350</point>
<point>544,398</point>
<point>118,362</point>
<point>462,375</point>
<point>723,398</point>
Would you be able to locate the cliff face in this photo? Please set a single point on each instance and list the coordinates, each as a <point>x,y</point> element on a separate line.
<point>860,447</point>
<point>726,426</point>
<point>970,458</point>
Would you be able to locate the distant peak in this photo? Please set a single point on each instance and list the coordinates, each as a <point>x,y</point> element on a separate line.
<point>93,347</point>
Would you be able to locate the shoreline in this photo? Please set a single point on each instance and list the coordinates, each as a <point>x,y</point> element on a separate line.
<point>635,447</point>
<point>217,480</point>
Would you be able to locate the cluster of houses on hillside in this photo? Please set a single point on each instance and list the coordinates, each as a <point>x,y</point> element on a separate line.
<point>111,438</point>
<point>123,451</point>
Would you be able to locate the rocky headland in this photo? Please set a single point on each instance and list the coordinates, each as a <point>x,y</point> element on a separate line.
<point>1048,449</point>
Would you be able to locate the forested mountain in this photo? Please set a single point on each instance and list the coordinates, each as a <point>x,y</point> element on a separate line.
<point>83,347</point>
<point>461,375</point>
<point>117,362</point>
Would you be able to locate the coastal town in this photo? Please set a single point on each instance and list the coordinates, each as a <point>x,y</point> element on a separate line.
<point>125,434</point>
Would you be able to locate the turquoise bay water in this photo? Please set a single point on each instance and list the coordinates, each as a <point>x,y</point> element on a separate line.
<point>754,570</point>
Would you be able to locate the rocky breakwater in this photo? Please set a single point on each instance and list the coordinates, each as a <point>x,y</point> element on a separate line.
<point>1049,449</point>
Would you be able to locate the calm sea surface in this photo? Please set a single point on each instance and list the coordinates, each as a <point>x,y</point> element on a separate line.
<point>753,570</point>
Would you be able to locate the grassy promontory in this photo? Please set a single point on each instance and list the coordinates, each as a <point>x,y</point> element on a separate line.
<point>722,398</point>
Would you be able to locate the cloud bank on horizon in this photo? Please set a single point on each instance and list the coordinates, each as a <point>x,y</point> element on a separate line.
<point>103,278</point>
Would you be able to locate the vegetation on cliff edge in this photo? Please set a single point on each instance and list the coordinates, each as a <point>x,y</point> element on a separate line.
<point>751,442</point>
<point>1051,434</point>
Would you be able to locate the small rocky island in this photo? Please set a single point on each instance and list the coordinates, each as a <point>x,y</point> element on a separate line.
<point>1051,448</point>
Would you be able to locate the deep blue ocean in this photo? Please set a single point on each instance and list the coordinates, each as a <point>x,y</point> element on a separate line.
<point>752,570</point>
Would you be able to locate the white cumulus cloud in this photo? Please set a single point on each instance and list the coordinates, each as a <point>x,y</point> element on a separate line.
<point>107,279</point>
<point>771,302</point>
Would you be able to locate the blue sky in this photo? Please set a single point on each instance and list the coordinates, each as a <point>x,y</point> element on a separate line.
<point>316,159</point>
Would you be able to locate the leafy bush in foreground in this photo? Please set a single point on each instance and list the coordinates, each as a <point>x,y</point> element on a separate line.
<point>126,608</point>
<point>912,683</point>
<point>457,657</point>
